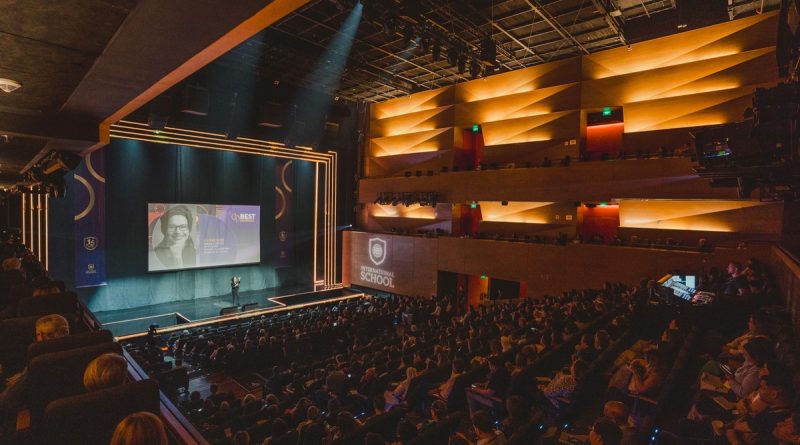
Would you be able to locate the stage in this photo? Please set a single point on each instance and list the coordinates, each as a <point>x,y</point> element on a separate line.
<point>174,315</point>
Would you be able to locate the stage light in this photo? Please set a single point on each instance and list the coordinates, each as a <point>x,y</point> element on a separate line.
<point>408,34</point>
<point>452,55</point>
<point>390,26</point>
<point>462,63</point>
<point>436,52</point>
<point>489,51</point>
<point>475,69</point>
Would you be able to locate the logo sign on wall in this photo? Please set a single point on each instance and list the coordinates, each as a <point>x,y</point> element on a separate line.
<point>378,253</point>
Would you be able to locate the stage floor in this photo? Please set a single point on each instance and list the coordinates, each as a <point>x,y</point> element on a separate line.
<point>125,322</point>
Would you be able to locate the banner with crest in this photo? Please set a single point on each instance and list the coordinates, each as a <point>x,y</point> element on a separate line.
<point>284,196</point>
<point>90,217</point>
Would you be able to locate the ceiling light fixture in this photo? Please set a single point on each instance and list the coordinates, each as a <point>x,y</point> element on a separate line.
<point>8,85</point>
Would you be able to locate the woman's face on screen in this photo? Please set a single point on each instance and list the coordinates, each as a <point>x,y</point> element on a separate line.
<point>177,229</point>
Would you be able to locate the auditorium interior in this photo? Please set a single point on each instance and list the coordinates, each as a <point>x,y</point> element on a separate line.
<point>400,222</point>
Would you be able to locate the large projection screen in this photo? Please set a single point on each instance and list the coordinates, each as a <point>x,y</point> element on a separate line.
<point>190,236</point>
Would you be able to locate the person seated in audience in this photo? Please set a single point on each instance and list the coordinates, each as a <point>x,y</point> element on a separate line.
<point>619,413</point>
<point>46,288</point>
<point>648,375</point>
<point>438,415</point>
<point>278,434</point>
<point>406,432</point>
<point>564,383</point>
<point>49,327</point>
<point>398,394</point>
<point>787,431</point>
<point>737,281</point>
<point>106,371</point>
<point>775,398</point>
<point>241,437</point>
<point>519,414</point>
<point>346,425</point>
<point>486,395</point>
<point>142,428</point>
<point>444,390</point>
<point>311,431</point>
<point>484,431</point>
<point>746,378</point>
<point>605,432</point>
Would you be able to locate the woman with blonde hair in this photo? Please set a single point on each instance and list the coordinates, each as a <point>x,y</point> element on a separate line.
<point>142,428</point>
<point>106,371</point>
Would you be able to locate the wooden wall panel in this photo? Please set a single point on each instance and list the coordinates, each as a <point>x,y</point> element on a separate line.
<point>425,100</point>
<point>547,269</point>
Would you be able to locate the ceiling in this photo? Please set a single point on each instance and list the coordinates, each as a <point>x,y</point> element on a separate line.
<point>384,64</point>
<point>84,64</point>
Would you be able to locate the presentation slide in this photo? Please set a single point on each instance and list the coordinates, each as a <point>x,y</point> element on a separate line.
<point>187,236</point>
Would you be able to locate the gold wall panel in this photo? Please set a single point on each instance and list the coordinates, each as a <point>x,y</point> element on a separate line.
<point>425,100</point>
<point>695,110</point>
<point>419,121</point>
<point>424,141</point>
<point>516,212</point>
<point>722,73</point>
<point>532,129</point>
<point>702,215</point>
<point>701,44</point>
<point>519,81</point>
<point>532,103</point>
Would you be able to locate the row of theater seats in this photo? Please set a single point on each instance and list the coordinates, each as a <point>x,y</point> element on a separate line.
<point>56,407</point>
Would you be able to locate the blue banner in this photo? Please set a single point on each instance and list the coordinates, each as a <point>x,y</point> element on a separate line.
<point>284,197</point>
<point>90,218</point>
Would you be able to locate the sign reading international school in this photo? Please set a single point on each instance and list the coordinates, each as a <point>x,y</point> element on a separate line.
<point>378,253</point>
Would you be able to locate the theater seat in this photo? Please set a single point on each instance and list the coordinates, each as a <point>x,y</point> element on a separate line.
<point>66,303</point>
<point>90,419</point>
<point>70,342</point>
<point>60,374</point>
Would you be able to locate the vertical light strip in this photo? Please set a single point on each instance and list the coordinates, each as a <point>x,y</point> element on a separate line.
<point>30,215</point>
<point>47,232</point>
<point>316,220</point>
<point>39,226</point>
<point>23,218</point>
<point>335,220</point>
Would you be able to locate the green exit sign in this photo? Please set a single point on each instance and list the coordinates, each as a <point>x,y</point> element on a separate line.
<point>607,111</point>
<point>476,128</point>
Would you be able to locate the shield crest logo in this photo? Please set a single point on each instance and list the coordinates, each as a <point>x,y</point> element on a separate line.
<point>90,243</point>
<point>283,236</point>
<point>377,251</point>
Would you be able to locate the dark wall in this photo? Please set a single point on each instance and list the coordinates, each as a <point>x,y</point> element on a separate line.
<point>138,173</point>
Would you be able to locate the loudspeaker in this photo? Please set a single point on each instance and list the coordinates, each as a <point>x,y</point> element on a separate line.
<point>488,51</point>
<point>250,307</point>
<point>159,112</point>
<point>229,310</point>
<point>196,100</point>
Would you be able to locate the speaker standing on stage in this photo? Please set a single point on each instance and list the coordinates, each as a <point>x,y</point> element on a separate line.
<point>235,289</point>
